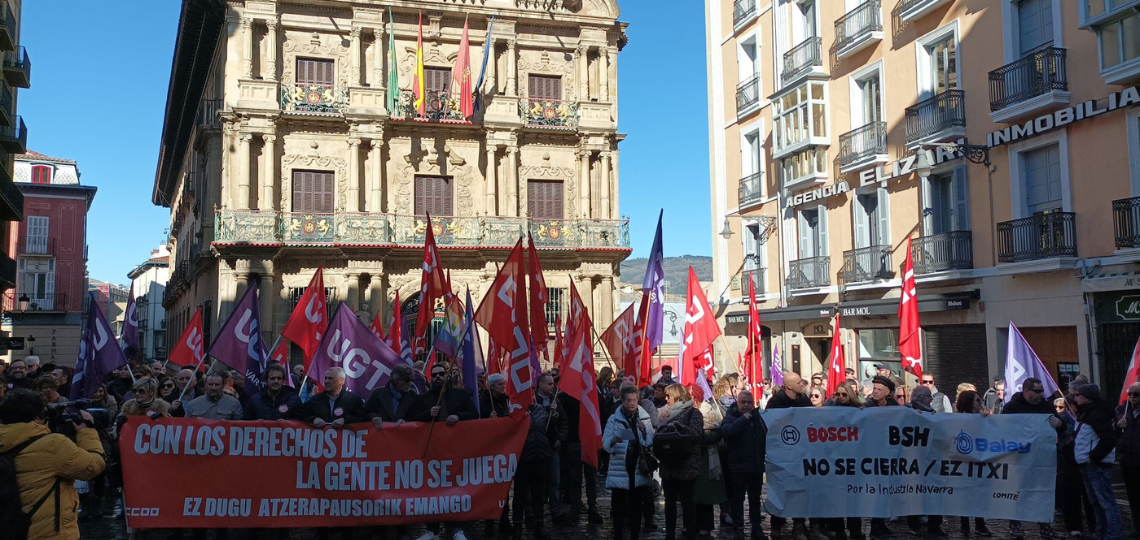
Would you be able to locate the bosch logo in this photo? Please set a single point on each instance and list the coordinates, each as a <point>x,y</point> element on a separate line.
<point>964,443</point>
<point>790,435</point>
<point>833,434</point>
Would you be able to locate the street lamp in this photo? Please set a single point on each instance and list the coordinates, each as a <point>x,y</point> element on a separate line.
<point>24,302</point>
<point>726,232</point>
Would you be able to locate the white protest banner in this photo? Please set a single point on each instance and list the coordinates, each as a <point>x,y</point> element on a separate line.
<point>894,461</point>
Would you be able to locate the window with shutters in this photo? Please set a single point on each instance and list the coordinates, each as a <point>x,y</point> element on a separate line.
<point>1041,174</point>
<point>946,202</point>
<point>544,87</point>
<point>316,71</point>
<point>813,232</point>
<point>438,79</point>
<point>433,196</point>
<point>1034,26</point>
<point>544,199</point>
<point>555,308</point>
<point>872,219</point>
<point>755,266</point>
<point>36,241</point>
<point>37,282</point>
<point>41,174</point>
<point>313,192</point>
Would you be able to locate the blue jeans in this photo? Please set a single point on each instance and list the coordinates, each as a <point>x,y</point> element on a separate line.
<point>1098,482</point>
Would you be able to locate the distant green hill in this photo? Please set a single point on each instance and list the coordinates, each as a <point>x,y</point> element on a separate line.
<point>676,271</point>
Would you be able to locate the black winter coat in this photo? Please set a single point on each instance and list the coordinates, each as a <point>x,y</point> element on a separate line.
<point>572,409</point>
<point>350,405</point>
<point>890,402</point>
<point>379,405</point>
<point>1128,445</point>
<point>691,423</point>
<point>1018,405</point>
<point>285,406</point>
<point>455,401</point>
<point>780,400</point>
<point>745,438</point>
<point>1098,417</point>
<point>537,446</point>
<point>501,405</point>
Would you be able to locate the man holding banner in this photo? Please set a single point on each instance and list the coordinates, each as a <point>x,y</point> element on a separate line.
<point>443,402</point>
<point>336,406</point>
<point>1031,400</point>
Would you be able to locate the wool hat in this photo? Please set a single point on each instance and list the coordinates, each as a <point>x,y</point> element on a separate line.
<point>1090,391</point>
<point>495,378</point>
<point>879,379</point>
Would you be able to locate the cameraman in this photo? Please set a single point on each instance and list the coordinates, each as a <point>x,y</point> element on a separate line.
<point>47,464</point>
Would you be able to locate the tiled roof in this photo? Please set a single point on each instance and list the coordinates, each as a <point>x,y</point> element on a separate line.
<point>31,155</point>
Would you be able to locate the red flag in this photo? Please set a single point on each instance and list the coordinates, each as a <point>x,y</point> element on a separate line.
<point>307,323</point>
<point>835,360</point>
<point>377,327</point>
<point>463,76</point>
<point>395,338</point>
<point>433,284</point>
<point>538,297</point>
<point>577,315</point>
<point>645,361</point>
<point>559,353</point>
<point>190,348</point>
<point>910,344</point>
<point>754,352</point>
<point>700,331</point>
<point>579,378</point>
<point>281,353</point>
<point>1132,376</point>
<point>494,358</point>
<point>503,313</point>
<point>623,339</point>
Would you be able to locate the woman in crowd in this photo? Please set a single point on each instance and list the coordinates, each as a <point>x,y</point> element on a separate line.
<point>964,387</point>
<point>709,490</point>
<point>628,433</point>
<point>166,389</point>
<point>679,471</point>
<point>102,400</point>
<point>724,398</point>
<point>816,396</point>
<point>970,402</point>
<point>145,400</point>
<point>846,396</point>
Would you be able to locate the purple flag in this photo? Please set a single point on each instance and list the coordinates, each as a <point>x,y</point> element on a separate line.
<point>99,354</point>
<point>367,361</point>
<point>131,326</point>
<point>1022,363</point>
<point>654,287</point>
<point>471,353</point>
<point>239,344</point>
<point>777,369</point>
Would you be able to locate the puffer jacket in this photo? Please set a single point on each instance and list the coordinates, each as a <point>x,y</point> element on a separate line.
<point>41,463</point>
<point>692,424</point>
<point>284,406</point>
<point>537,446</point>
<point>745,438</point>
<point>623,455</point>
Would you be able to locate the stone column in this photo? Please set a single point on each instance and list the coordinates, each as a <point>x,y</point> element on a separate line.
<point>266,293</point>
<point>512,181</point>
<point>242,202</point>
<point>604,187</point>
<point>378,60</point>
<point>247,46</point>
<point>492,69</point>
<point>584,181</point>
<point>586,291</point>
<point>353,178</point>
<point>614,177</point>
<point>271,50</point>
<point>269,172</point>
<point>512,67</point>
<point>354,52</point>
<point>376,293</point>
<point>583,73</point>
<point>492,179</point>
<point>353,290</point>
<point>606,310</point>
<point>242,284</point>
<point>375,194</point>
<point>604,74</point>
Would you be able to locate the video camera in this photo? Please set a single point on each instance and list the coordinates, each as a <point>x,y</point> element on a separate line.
<point>69,412</point>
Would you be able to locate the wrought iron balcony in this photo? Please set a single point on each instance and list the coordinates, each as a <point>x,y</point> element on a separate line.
<point>257,227</point>
<point>871,263</point>
<point>862,143</point>
<point>8,29</point>
<point>313,98</point>
<point>23,302</point>
<point>7,111</point>
<point>802,59</point>
<point>858,26</point>
<point>1041,236</point>
<point>549,113</point>
<point>208,113</point>
<point>809,273</point>
<point>11,198</point>
<point>759,279</point>
<point>751,189</point>
<point>941,252</point>
<point>1035,75</point>
<point>929,117</point>
<point>912,10</point>
<point>747,93</point>
<point>1126,222</point>
<point>438,107</point>
<point>18,68</point>
<point>742,10</point>
<point>14,138</point>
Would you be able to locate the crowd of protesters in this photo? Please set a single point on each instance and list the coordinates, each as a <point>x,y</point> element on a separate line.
<point>702,456</point>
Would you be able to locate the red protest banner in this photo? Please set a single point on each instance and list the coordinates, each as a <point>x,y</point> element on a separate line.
<point>289,474</point>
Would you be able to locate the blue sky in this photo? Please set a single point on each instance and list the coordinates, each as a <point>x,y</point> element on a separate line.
<point>99,81</point>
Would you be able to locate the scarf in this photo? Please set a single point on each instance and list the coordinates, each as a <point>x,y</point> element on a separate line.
<point>677,408</point>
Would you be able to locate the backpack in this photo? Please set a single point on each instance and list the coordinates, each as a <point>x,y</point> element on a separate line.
<point>17,522</point>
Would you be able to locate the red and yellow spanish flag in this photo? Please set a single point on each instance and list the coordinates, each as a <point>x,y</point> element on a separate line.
<point>418,84</point>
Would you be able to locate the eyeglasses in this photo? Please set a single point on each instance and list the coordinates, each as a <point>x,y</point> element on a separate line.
<point>168,386</point>
<point>437,375</point>
<point>1037,390</point>
<point>928,382</point>
<point>816,396</point>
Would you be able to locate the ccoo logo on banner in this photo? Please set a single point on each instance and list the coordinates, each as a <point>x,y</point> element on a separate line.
<point>890,462</point>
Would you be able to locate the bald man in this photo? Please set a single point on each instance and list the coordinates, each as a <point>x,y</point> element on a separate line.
<point>786,397</point>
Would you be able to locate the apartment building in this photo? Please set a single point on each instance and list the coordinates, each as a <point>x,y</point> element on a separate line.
<point>16,74</point>
<point>1002,139</point>
<point>148,280</point>
<point>292,141</point>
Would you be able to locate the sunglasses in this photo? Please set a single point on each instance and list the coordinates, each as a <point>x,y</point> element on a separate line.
<point>816,396</point>
<point>927,382</point>
<point>1038,390</point>
<point>168,386</point>
<point>437,375</point>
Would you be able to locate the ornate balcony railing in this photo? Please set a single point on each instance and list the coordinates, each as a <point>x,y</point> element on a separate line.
<point>1126,222</point>
<point>802,59</point>
<point>758,277</point>
<point>18,68</point>
<point>936,114</point>
<point>366,229</point>
<point>809,273</point>
<point>751,190</point>
<point>1041,236</point>
<point>25,301</point>
<point>941,252</point>
<point>858,24</point>
<point>438,107</point>
<point>867,264</point>
<point>14,138</point>
<point>862,143</point>
<point>549,113</point>
<point>742,9</point>
<point>208,113</point>
<point>748,93</point>
<point>1032,76</point>
<point>313,98</point>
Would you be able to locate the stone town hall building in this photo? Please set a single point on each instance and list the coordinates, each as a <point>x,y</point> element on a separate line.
<point>280,152</point>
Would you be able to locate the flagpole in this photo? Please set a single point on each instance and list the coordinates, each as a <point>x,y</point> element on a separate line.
<point>427,442</point>
<point>193,379</point>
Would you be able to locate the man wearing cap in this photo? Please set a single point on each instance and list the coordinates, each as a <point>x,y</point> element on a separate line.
<point>1094,450</point>
<point>882,395</point>
<point>791,396</point>
<point>1031,400</point>
<point>444,402</point>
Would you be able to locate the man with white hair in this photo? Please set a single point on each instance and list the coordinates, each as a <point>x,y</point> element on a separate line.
<point>336,406</point>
